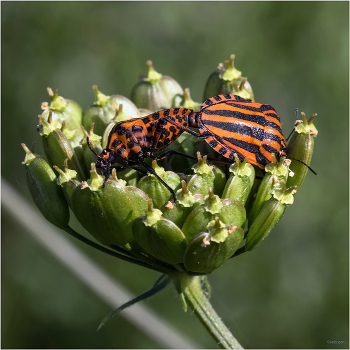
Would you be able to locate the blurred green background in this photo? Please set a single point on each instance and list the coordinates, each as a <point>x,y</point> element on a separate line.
<point>292,292</point>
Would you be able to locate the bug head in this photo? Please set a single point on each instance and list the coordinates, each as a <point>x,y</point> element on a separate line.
<point>104,159</point>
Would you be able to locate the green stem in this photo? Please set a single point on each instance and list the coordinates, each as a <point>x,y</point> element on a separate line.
<point>156,264</point>
<point>191,287</point>
<point>85,240</point>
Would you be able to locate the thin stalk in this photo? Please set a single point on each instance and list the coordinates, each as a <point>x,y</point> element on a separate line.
<point>195,297</point>
<point>118,255</point>
<point>161,283</point>
<point>156,264</point>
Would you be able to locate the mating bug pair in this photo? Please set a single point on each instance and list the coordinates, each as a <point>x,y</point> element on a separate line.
<point>228,123</point>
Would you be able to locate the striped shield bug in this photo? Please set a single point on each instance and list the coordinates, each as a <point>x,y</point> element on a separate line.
<point>237,125</point>
<point>231,124</point>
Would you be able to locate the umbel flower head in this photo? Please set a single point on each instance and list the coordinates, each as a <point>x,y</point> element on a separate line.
<point>182,216</point>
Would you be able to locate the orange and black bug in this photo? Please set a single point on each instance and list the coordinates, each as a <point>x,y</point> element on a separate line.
<point>231,124</point>
<point>131,141</point>
<point>237,125</point>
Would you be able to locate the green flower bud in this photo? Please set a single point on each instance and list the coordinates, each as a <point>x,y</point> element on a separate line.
<point>209,250</point>
<point>95,144</point>
<point>188,102</point>
<point>103,111</point>
<point>155,189</point>
<point>186,202</point>
<point>47,195</point>
<point>73,136</point>
<point>275,172</point>
<point>227,80</point>
<point>75,139</point>
<point>252,195</point>
<point>270,214</point>
<point>130,176</point>
<point>230,73</point>
<point>63,110</point>
<point>67,179</point>
<point>160,237</point>
<point>206,176</point>
<point>156,91</point>
<point>301,147</point>
<point>230,212</point>
<point>242,89</point>
<point>57,148</point>
<point>241,180</point>
<point>143,112</point>
<point>106,133</point>
<point>214,83</point>
<point>108,213</point>
<point>120,116</point>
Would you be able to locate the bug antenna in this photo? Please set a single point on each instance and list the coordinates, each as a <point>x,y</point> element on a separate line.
<point>298,160</point>
<point>296,118</point>
<point>88,143</point>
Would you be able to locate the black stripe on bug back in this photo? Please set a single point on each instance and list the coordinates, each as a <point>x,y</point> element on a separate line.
<point>250,147</point>
<point>266,107</point>
<point>258,119</point>
<point>210,101</point>
<point>273,126</point>
<point>270,149</point>
<point>257,133</point>
<point>272,137</point>
<point>248,107</point>
<point>213,143</point>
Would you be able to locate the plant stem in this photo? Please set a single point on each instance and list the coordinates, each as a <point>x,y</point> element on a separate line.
<point>125,257</point>
<point>191,287</point>
<point>156,264</point>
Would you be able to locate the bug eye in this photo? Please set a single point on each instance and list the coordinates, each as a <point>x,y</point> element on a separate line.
<point>104,152</point>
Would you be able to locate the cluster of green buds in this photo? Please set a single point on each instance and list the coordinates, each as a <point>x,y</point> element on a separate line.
<point>221,211</point>
<point>226,79</point>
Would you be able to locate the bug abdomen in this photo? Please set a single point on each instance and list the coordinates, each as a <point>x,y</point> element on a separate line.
<point>166,132</point>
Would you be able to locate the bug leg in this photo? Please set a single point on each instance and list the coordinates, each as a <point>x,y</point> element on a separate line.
<point>152,171</point>
<point>106,173</point>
